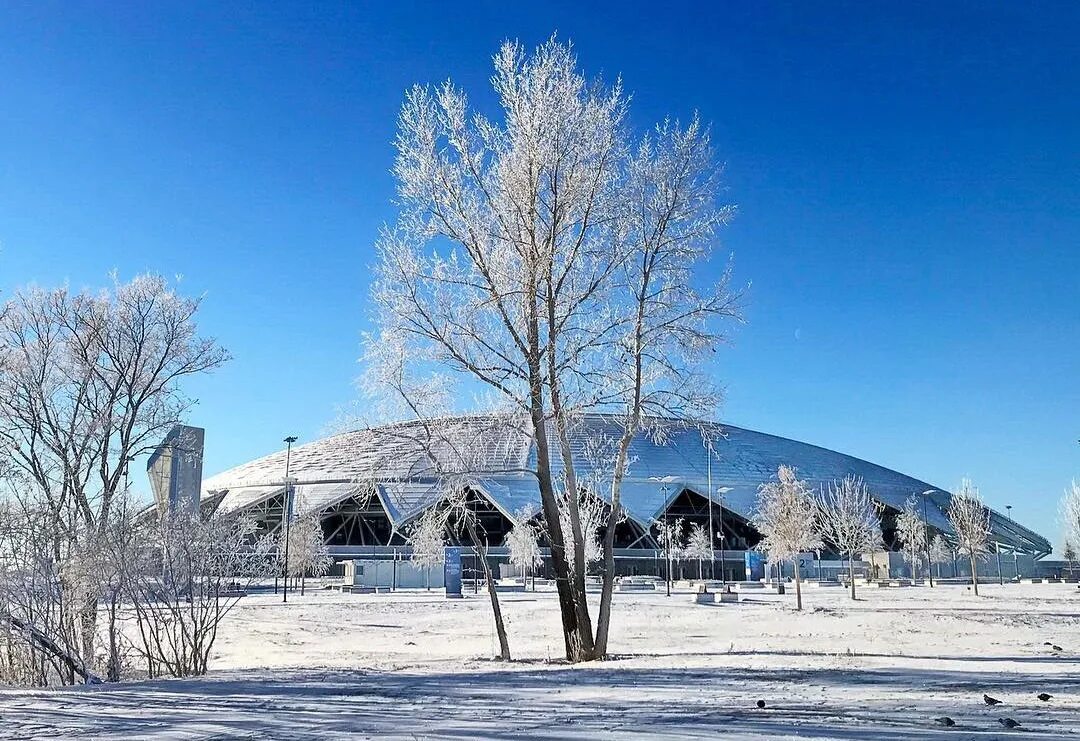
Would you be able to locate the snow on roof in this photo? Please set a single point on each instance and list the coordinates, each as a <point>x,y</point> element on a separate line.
<point>501,458</point>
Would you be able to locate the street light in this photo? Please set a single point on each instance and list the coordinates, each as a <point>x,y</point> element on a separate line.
<point>926,536</point>
<point>723,549</point>
<point>286,513</point>
<point>712,553</point>
<point>666,532</point>
<point>1016,569</point>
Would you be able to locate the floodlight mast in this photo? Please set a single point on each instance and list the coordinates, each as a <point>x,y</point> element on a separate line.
<point>723,546</point>
<point>926,537</point>
<point>666,489</point>
<point>286,514</point>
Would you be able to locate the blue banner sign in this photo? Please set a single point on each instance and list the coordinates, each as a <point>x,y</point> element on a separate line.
<point>755,565</point>
<point>452,571</point>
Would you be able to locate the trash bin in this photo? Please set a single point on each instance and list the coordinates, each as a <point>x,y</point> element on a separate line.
<point>779,588</point>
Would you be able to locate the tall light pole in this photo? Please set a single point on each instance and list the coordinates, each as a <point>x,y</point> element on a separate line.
<point>666,533</point>
<point>926,536</point>
<point>1016,569</point>
<point>667,542</point>
<point>723,547</point>
<point>997,551</point>
<point>712,553</point>
<point>286,512</point>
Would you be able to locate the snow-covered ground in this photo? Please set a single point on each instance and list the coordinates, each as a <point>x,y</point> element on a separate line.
<point>415,665</point>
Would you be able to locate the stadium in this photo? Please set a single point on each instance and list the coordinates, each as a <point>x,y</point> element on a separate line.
<point>367,486</point>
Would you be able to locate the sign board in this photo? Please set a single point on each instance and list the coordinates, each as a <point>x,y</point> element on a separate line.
<point>452,571</point>
<point>755,565</point>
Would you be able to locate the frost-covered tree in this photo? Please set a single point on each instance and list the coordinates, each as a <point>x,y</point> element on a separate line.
<point>787,518</point>
<point>911,530</point>
<point>940,552</point>
<point>307,550</point>
<point>699,547</point>
<point>850,521</point>
<point>427,536</point>
<point>1069,554</point>
<point>970,520</point>
<point>554,261</point>
<point>500,259</point>
<point>671,323</point>
<point>89,381</point>
<point>671,536</point>
<point>1069,511</point>
<point>454,451</point>
<point>192,571</point>
<point>39,637</point>
<point>523,543</point>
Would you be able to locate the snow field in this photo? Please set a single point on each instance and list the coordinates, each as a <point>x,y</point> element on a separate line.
<point>415,665</point>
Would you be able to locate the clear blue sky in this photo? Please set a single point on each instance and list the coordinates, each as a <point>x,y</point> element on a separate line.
<point>908,180</point>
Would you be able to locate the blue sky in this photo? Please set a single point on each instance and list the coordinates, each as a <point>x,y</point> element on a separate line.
<point>908,179</point>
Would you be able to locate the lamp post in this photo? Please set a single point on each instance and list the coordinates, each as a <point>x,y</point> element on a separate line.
<point>667,543</point>
<point>1016,569</point>
<point>926,536</point>
<point>712,553</point>
<point>286,513</point>
<point>666,533</point>
<point>666,536</point>
<point>723,548</point>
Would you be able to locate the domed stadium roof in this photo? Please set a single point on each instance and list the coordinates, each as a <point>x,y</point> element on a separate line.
<point>406,480</point>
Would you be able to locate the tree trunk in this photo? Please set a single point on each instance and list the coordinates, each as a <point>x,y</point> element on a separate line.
<point>112,670</point>
<point>88,629</point>
<point>496,610</point>
<point>603,621</point>
<point>851,573</point>
<point>798,584</point>
<point>974,575</point>
<point>577,631</point>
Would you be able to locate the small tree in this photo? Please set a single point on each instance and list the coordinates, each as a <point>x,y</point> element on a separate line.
<point>192,572</point>
<point>307,550</point>
<point>787,519</point>
<point>970,521</point>
<point>911,530</point>
<point>699,547</point>
<point>1069,555</point>
<point>427,536</point>
<point>849,518</point>
<point>1070,519</point>
<point>670,537</point>
<point>90,381</point>
<point>523,541</point>
<point>940,552</point>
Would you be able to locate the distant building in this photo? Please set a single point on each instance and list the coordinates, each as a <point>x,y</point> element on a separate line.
<point>175,468</point>
<point>368,486</point>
